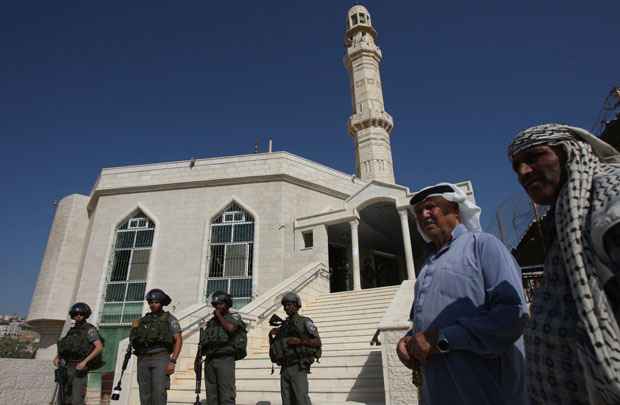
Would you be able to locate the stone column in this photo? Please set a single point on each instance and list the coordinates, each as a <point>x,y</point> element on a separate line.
<point>404,224</point>
<point>355,254</point>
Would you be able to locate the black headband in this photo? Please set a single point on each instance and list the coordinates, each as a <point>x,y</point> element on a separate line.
<point>421,196</point>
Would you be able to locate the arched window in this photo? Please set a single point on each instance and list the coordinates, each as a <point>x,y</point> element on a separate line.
<point>231,254</point>
<point>126,281</point>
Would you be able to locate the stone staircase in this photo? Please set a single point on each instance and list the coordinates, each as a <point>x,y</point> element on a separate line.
<point>349,372</point>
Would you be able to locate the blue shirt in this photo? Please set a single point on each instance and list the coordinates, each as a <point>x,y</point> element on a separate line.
<point>471,291</point>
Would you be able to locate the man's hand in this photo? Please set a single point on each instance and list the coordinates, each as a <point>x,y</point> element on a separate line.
<point>81,365</point>
<point>423,344</point>
<point>170,368</point>
<point>403,355</point>
<point>293,342</point>
<point>56,361</point>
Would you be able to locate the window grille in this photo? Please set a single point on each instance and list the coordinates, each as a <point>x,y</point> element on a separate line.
<point>231,254</point>
<point>126,281</point>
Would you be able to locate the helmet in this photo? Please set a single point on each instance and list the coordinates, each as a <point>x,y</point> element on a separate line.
<point>221,296</point>
<point>291,297</point>
<point>158,295</point>
<point>80,308</point>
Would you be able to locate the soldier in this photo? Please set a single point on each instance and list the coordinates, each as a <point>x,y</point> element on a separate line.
<point>76,352</point>
<point>223,341</point>
<point>156,340</point>
<point>298,340</point>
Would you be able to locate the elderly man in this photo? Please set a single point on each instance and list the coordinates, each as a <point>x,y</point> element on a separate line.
<point>469,310</point>
<point>572,342</point>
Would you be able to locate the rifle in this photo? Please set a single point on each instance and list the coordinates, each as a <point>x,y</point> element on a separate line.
<point>278,322</point>
<point>198,367</point>
<point>54,395</point>
<point>275,320</point>
<point>116,393</point>
<point>60,378</point>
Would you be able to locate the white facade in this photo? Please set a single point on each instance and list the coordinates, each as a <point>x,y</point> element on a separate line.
<point>302,213</point>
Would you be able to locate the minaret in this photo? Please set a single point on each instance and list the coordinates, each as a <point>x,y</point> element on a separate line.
<point>370,125</point>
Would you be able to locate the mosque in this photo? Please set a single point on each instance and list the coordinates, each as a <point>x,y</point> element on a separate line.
<point>254,225</point>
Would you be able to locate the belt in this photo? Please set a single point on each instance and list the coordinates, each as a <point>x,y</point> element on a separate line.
<point>153,354</point>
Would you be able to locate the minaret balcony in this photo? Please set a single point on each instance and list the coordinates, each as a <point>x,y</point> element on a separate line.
<point>367,119</point>
<point>355,52</point>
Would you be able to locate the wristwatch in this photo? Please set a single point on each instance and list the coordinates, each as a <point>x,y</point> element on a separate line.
<point>442,343</point>
<point>173,361</point>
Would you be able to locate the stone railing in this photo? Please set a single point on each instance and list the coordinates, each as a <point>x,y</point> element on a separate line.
<point>306,282</point>
<point>309,282</point>
<point>399,389</point>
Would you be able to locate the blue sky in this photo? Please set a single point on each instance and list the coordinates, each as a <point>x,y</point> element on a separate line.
<point>87,85</point>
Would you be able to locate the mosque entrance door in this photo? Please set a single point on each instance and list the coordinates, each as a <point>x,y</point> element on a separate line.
<point>339,268</point>
<point>386,270</point>
<point>382,256</point>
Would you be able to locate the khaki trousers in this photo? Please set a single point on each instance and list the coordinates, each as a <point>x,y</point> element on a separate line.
<point>220,381</point>
<point>294,385</point>
<point>152,378</point>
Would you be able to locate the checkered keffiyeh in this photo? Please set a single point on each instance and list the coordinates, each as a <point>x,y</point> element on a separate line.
<point>598,346</point>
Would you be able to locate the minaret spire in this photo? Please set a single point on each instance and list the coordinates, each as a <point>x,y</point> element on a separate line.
<point>370,125</point>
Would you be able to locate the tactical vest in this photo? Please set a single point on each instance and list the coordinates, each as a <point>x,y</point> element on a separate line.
<point>150,332</point>
<point>284,355</point>
<point>216,342</point>
<point>76,347</point>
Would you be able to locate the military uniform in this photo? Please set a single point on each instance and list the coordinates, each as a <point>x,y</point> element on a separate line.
<point>152,338</point>
<point>221,349</point>
<point>296,361</point>
<point>72,349</point>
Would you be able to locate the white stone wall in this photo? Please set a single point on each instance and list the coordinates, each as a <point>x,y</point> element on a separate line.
<point>399,389</point>
<point>61,261</point>
<point>397,378</point>
<point>26,381</point>
<point>182,218</point>
<point>225,170</point>
<point>296,204</point>
<point>49,332</point>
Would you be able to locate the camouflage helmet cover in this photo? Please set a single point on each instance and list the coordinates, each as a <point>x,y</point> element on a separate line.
<point>159,295</point>
<point>80,308</point>
<point>291,297</point>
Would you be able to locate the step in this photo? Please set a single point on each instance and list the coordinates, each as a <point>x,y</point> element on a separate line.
<point>272,397</point>
<point>331,359</point>
<point>370,356</point>
<point>360,300</point>
<point>333,326</point>
<point>318,317</point>
<point>361,345</point>
<point>317,384</point>
<point>366,291</point>
<point>360,293</point>
<point>341,372</point>
<point>351,295</point>
<point>335,311</point>
<point>345,307</point>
